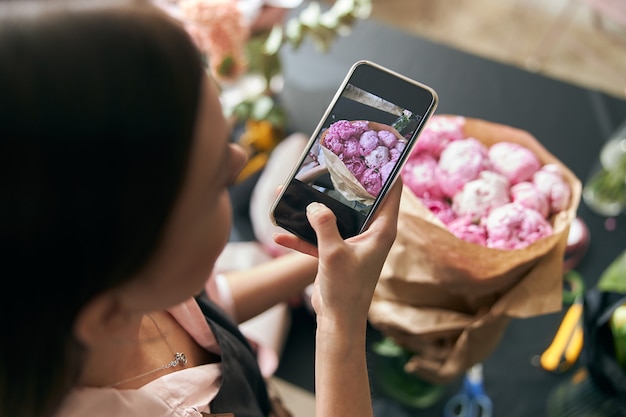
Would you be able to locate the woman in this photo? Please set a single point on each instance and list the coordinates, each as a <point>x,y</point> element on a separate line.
<point>115,167</point>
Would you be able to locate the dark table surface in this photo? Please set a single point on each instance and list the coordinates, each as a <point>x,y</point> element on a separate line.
<point>571,122</point>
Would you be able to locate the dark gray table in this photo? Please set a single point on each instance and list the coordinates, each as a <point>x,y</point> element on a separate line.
<point>571,122</point>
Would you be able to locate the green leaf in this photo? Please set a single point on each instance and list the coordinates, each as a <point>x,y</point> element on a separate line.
<point>322,38</point>
<point>618,328</point>
<point>293,29</point>
<point>614,277</point>
<point>226,67</point>
<point>330,20</point>
<point>408,389</point>
<point>277,117</point>
<point>363,10</point>
<point>274,41</point>
<point>388,348</point>
<point>262,107</point>
<point>311,15</point>
<point>342,7</point>
<point>242,110</point>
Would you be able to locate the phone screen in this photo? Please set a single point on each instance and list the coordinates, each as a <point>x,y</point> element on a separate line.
<point>357,150</point>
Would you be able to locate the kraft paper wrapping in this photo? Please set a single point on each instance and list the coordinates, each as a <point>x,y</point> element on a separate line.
<point>449,301</point>
<point>343,180</point>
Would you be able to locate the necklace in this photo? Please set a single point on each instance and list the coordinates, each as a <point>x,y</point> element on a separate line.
<point>179,358</point>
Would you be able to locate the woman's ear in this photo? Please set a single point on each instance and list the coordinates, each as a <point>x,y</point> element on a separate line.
<point>100,318</point>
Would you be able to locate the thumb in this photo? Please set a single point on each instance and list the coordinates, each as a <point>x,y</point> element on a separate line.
<point>324,222</point>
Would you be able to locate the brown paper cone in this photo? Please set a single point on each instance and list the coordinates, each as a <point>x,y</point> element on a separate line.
<point>448,300</point>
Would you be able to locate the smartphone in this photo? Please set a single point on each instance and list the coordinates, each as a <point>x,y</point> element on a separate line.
<point>357,150</point>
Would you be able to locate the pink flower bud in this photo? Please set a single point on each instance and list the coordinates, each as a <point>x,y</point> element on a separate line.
<point>351,149</point>
<point>372,181</point>
<point>344,129</point>
<point>527,194</point>
<point>386,170</point>
<point>368,141</point>
<point>334,143</point>
<point>461,161</point>
<point>438,133</point>
<point>387,138</point>
<point>469,230</point>
<point>478,197</point>
<point>439,208</point>
<point>378,157</point>
<point>514,161</point>
<point>420,176</point>
<point>396,151</point>
<point>513,226</point>
<point>550,182</point>
<point>356,166</point>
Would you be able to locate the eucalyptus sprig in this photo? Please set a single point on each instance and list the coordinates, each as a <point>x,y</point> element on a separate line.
<point>313,21</point>
<point>321,26</point>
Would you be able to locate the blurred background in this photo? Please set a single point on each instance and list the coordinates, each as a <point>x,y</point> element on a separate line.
<point>579,41</point>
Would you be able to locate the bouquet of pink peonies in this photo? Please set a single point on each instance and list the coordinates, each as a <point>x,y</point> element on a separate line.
<point>359,156</point>
<point>483,227</point>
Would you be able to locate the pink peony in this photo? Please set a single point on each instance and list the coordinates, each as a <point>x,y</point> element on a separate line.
<point>469,230</point>
<point>439,208</point>
<point>360,126</point>
<point>334,143</point>
<point>350,149</point>
<point>438,133</point>
<point>420,176</point>
<point>378,157</point>
<point>549,181</point>
<point>356,166</point>
<point>461,161</point>
<point>514,161</point>
<point>344,130</point>
<point>387,138</point>
<point>527,194</point>
<point>396,151</point>
<point>368,141</point>
<point>513,226</point>
<point>478,197</point>
<point>386,170</point>
<point>372,181</point>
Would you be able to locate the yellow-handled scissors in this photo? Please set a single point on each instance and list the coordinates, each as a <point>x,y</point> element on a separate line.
<point>567,344</point>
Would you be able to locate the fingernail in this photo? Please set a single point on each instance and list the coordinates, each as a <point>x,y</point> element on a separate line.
<point>313,208</point>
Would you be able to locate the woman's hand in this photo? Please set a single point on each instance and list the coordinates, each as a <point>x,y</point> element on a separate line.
<point>312,174</point>
<point>348,269</point>
<point>342,293</point>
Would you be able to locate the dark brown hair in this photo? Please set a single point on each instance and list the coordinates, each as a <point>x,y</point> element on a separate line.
<point>98,102</point>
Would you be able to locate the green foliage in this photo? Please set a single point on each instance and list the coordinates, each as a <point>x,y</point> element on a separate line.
<point>614,276</point>
<point>259,62</point>
<point>263,107</point>
<point>406,388</point>
<point>618,328</point>
<point>321,26</point>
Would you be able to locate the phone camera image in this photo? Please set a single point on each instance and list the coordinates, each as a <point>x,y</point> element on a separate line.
<point>357,151</point>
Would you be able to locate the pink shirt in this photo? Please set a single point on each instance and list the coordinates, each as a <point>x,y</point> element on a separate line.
<point>184,393</point>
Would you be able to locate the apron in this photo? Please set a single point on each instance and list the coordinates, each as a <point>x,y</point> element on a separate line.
<point>243,392</point>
